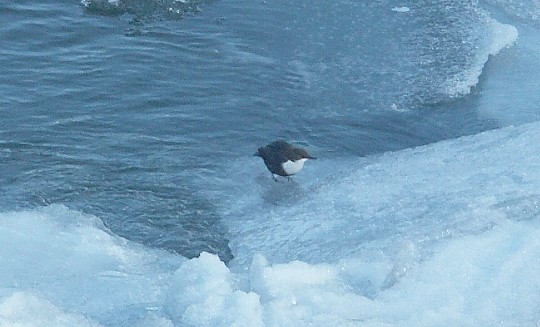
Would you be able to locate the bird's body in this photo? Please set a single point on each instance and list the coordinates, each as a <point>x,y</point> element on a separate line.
<point>282,158</point>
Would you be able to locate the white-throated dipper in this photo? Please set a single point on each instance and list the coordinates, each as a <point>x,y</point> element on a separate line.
<point>282,158</point>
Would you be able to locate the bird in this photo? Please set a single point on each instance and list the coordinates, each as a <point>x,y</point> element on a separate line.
<point>282,158</point>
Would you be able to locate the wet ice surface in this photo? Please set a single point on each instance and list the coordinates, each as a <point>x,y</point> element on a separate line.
<point>443,234</point>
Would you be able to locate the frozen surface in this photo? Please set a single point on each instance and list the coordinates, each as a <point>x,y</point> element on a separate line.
<point>425,194</point>
<point>24,309</point>
<point>401,9</point>
<point>500,36</point>
<point>446,235</point>
<point>65,265</point>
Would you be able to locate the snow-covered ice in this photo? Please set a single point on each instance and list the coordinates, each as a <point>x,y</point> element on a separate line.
<point>441,235</point>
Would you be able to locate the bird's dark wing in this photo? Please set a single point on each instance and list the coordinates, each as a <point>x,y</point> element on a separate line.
<point>286,150</point>
<point>273,160</point>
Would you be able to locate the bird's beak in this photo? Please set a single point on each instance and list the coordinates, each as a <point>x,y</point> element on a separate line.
<point>310,157</point>
<point>256,154</point>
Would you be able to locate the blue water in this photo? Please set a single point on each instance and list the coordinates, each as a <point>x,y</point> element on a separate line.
<point>145,114</point>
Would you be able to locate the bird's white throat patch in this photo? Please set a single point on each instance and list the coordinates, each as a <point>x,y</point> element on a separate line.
<point>292,167</point>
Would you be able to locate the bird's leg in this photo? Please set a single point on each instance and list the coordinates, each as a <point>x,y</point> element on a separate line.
<point>277,179</point>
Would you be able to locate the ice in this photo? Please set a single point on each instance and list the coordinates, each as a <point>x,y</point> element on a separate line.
<point>203,295</point>
<point>62,259</point>
<point>510,90</point>
<point>88,3</point>
<point>414,215</point>
<point>423,195</point>
<point>501,36</point>
<point>23,309</point>
<point>401,9</point>
<point>485,280</point>
<point>446,234</point>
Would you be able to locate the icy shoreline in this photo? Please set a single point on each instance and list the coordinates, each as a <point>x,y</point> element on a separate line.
<point>298,267</point>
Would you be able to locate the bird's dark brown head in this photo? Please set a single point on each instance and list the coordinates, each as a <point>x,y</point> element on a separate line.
<point>304,154</point>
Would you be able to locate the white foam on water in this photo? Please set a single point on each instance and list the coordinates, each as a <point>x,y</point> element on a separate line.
<point>446,234</point>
